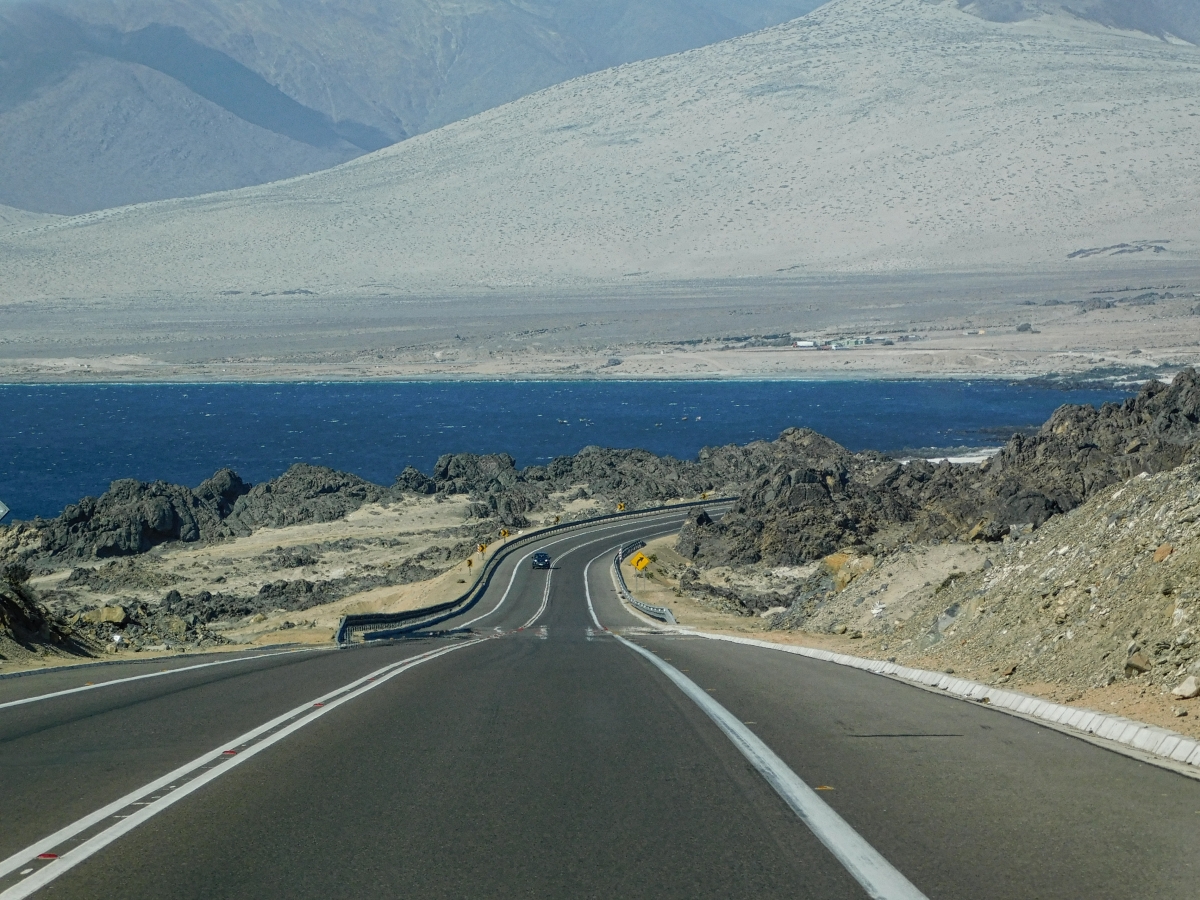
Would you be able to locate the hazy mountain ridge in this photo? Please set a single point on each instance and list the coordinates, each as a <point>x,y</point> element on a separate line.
<point>19,218</point>
<point>1161,18</point>
<point>106,102</point>
<point>869,135</point>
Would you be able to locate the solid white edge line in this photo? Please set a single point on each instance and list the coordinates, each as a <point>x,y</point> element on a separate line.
<point>633,610</point>
<point>23,857</point>
<point>102,684</point>
<point>1137,740</point>
<point>879,878</point>
<point>587,591</point>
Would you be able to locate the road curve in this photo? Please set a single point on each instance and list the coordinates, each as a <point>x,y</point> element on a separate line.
<point>534,754</point>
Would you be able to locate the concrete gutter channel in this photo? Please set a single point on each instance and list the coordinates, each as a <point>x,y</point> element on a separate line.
<point>1149,743</point>
<point>381,626</point>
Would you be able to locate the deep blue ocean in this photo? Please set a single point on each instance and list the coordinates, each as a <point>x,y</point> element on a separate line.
<point>62,442</point>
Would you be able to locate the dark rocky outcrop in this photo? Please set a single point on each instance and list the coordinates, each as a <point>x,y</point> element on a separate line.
<point>24,622</point>
<point>819,497</point>
<point>302,495</point>
<point>133,516</point>
<point>801,496</point>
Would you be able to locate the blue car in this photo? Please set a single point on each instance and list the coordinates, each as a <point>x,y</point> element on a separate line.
<point>541,560</point>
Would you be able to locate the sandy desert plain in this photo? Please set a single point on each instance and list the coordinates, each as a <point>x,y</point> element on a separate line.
<point>1095,321</point>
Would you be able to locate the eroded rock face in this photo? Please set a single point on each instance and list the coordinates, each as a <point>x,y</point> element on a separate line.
<point>23,621</point>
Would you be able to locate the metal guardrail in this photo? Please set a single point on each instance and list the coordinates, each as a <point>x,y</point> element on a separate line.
<point>658,612</point>
<point>380,626</point>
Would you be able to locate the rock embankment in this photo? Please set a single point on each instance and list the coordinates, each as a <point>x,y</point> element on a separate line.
<point>26,628</point>
<point>1099,605</point>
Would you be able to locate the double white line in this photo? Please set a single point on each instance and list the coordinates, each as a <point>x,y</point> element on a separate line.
<point>174,786</point>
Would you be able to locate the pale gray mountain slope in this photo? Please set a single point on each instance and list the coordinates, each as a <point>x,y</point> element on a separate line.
<point>20,218</point>
<point>83,143</point>
<point>104,102</point>
<point>868,136</point>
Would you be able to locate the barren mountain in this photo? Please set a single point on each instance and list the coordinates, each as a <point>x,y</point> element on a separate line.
<point>108,102</point>
<point>869,135</point>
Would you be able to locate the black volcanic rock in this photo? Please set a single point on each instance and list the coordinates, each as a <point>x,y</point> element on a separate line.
<point>819,497</point>
<point>800,497</point>
<point>302,495</point>
<point>412,481</point>
<point>133,516</point>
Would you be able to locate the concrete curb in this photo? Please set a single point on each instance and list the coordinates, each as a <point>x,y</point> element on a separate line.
<point>1158,745</point>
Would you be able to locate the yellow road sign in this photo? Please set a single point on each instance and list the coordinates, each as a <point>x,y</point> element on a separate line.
<point>639,561</point>
<point>620,507</point>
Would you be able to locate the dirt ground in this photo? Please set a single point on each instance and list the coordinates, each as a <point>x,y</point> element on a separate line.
<point>985,325</point>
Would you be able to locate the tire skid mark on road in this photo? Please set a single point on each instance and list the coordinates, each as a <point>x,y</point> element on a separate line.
<point>879,878</point>
<point>47,859</point>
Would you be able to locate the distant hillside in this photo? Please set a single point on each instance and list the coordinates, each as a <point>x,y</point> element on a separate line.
<point>1162,18</point>
<point>870,135</point>
<point>107,102</point>
<point>19,218</point>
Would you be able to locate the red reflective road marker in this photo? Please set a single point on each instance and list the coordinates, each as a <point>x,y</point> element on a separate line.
<point>318,704</point>
<point>47,856</point>
<point>229,753</point>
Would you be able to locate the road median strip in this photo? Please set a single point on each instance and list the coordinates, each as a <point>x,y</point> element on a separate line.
<point>45,860</point>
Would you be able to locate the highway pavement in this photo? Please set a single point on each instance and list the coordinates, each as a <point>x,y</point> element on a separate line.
<point>551,743</point>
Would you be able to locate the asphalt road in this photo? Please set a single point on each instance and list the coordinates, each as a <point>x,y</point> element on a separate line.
<point>540,756</point>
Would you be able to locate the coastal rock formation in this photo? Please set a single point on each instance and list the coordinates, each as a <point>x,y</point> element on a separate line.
<point>301,495</point>
<point>133,516</point>
<point>818,497</point>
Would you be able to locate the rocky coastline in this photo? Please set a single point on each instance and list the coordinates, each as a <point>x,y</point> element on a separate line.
<point>831,521</point>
